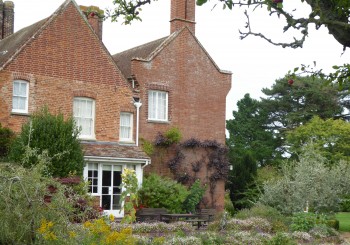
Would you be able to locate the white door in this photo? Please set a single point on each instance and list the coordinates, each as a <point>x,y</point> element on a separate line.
<point>111,189</point>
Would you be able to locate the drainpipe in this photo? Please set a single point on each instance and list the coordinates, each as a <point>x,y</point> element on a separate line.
<point>137,104</point>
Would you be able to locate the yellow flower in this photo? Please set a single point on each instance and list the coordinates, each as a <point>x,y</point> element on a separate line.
<point>50,236</point>
<point>44,230</point>
<point>111,217</point>
<point>72,234</point>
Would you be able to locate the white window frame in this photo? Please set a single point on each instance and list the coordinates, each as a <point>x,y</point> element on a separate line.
<point>130,126</point>
<point>20,82</point>
<point>92,118</point>
<point>154,113</point>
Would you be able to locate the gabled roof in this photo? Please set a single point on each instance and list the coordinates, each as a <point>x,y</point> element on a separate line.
<point>12,45</point>
<point>148,51</point>
<point>124,58</point>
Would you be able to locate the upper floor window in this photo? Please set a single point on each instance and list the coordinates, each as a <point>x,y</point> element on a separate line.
<point>157,105</point>
<point>20,96</point>
<point>126,122</point>
<point>84,115</point>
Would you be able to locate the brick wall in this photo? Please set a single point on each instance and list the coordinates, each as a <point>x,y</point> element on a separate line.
<point>67,60</point>
<point>197,98</point>
<point>197,90</point>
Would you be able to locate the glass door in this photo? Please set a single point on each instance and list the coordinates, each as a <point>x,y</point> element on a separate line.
<point>111,189</point>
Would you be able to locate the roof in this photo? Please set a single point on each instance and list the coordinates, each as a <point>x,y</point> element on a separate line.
<point>113,150</point>
<point>143,52</point>
<point>148,51</point>
<point>10,44</point>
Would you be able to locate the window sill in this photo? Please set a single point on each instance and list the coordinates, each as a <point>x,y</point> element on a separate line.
<point>157,121</point>
<point>15,113</point>
<point>124,142</point>
<point>87,139</point>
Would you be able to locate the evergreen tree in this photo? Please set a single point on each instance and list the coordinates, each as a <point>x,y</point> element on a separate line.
<point>248,133</point>
<point>54,134</point>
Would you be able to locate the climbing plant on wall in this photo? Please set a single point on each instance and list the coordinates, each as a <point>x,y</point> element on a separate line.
<point>193,159</point>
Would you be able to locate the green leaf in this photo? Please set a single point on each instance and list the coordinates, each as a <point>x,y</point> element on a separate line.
<point>201,2</point>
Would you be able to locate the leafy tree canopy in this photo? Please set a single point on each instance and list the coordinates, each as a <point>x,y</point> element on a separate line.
<point>330,137</point>
<point>55,136</point>
<point>291,103</point>
<point>308,182</point>
<point>248,133</point>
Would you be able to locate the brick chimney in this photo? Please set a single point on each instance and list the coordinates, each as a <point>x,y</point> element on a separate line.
<point>182,14</point>
<point>7,18</point>
<point>95,17</point>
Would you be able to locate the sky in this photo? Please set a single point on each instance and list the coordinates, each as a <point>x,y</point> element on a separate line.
<point>254,63</point>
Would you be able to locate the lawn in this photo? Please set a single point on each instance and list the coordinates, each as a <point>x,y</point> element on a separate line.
<point>344,221</point>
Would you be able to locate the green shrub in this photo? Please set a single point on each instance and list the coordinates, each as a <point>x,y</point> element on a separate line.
<point>281,239</point>
<point>26,204</point>
<point>345,203</point>
<point>278,221</point>
<point>333,223</point>
<point>194,197</point>
<point>308,182</point>
<point>161,192</point>
<point>147,147</point>
<point>6,138</point>
<point>259,210</point>
<point>173,135</point>
<point>306,221</point>
<point>54,134</point>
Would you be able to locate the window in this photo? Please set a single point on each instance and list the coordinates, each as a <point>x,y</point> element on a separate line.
<point>20,96</point>
<point>93,178</point>
<point>84,115</point>
<point>125,126</point>
<point>157,105</point>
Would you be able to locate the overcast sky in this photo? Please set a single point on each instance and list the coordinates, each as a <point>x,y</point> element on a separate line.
<point>255,64</point>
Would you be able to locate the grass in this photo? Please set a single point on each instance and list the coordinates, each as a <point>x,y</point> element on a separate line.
<point>344,221</point>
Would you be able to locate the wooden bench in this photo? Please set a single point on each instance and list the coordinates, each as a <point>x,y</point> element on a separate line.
<point>207,214</point>
<point>150,214</point>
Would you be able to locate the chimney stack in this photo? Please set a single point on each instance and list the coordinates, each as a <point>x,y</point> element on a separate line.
<point>182,14</point>
<point>7,18</point>
<point>94,16</point>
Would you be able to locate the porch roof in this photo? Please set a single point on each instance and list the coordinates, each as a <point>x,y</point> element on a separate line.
<point>113,150</point>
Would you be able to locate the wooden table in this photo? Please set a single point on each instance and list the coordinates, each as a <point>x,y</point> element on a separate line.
<point>190,218</point>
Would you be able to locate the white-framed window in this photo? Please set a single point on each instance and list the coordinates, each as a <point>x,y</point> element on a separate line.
<point>20,96</point>
<point>126,122</point>
<point>92,177</point>
<point>84,116</point>
<point>157,105</point>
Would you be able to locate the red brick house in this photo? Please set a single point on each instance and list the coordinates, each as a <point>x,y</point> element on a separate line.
<point>61,62</point>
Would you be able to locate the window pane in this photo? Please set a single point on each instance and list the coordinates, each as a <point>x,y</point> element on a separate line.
<point>125,126</point>
<point>157,105</point>
<point>15,103</point>
<point>23,89</point>
<point>21,103</point>
<point>19,97</point>
<point>16,86</point>
<point>83,111</point>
